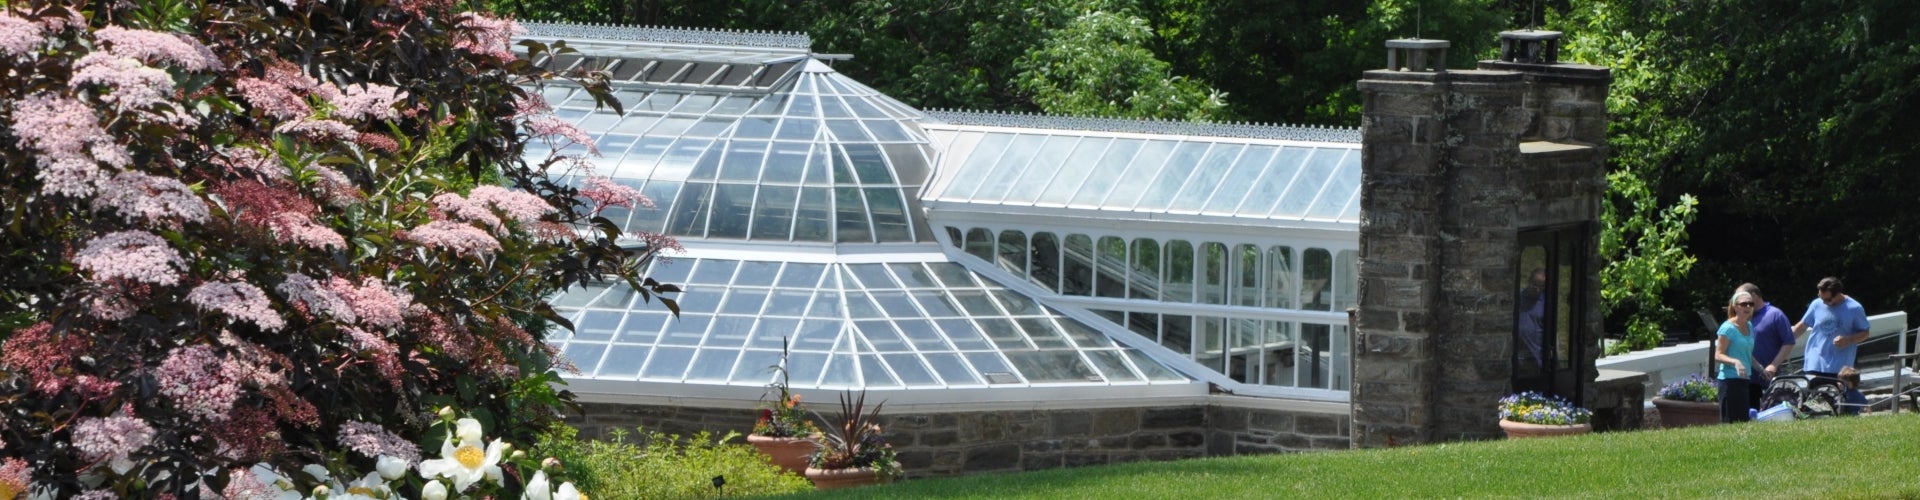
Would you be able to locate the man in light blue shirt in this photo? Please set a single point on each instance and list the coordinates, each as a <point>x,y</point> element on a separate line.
<point>1839,325</point>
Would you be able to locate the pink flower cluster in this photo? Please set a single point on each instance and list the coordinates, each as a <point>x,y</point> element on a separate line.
<point>521,206</point>
<point>381,352</point>
<point>368,101</point>
<point>238,300</point>
<point>18,37</point>
<point>606,193</point>
<point>155,200</point>
<point>319,130</point>
<point>153,46</point>
<point>376,304</point>
<point>113,439</point>
<point>553,129</point>
<point>374,441</point>
<point>271,97</point>
<point>461,239</point>
<point>132,255</point>
<point>198,382</point>
<point>60,130</point>
<point>15,475</point>
<point>466,209</point>
<point>43,355</point>
<point>134,85</point>
<point>487,36</point>
<point>307,295</point>
<point>266,166</point>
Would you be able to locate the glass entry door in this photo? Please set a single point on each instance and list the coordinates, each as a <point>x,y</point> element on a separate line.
<point>1547,339</point>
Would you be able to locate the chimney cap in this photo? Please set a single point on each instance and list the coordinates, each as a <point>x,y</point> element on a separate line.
<point>1530,35</point>
<point>1417,43</point>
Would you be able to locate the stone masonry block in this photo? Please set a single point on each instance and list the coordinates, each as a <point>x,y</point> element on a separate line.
<point>1173,418</point>
<point>1072,423</point>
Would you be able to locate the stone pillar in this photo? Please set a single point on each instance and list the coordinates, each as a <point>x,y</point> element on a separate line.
<point>1446,189</point>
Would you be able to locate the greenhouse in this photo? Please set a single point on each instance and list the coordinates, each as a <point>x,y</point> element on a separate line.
<point>936,257</point>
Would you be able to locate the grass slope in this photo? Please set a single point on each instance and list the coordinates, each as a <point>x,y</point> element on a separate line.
<point>1867,457</point>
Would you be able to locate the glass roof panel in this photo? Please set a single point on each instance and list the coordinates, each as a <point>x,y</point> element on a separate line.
<point>1306,186</point>
<point>902,325</point>
<point>1173,176</point>
<point>1235,184</point>
<point>1145,165</point>
<point>1206,178</point>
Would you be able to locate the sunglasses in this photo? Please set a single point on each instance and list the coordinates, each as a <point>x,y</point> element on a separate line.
<point>1744,304</point>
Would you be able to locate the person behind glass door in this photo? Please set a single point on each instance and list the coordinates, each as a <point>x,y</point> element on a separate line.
<point>1772,342</point>
<point>1839,325</point>
<point>1733,357</point>
<point>1532,311</point>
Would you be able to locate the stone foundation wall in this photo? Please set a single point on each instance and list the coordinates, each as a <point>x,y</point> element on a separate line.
<point>932,444</point>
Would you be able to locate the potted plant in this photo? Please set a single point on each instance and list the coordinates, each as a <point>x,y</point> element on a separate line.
<point>1687,402</point>
<point>855,451</point>
<point>1531,414</point>
<point>783,432</point>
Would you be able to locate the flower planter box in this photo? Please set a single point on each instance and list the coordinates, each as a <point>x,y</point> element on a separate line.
<point>827,479</point>
<point>1517,430</point>
<point>1677,413</point>
<point>790,453</point>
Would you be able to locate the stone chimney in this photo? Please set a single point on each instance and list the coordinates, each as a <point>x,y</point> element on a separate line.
<point>1457,166</point>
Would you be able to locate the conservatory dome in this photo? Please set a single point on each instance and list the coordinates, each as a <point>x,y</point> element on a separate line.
<point>948,256</point>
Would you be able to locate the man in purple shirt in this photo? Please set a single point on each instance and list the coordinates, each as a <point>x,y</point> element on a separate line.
<point>1772,342</point>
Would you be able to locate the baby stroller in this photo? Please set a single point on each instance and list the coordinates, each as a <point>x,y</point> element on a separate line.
<point>1805,395</point>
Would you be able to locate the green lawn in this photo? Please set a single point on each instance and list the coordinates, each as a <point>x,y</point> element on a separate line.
<point>1865,457</point>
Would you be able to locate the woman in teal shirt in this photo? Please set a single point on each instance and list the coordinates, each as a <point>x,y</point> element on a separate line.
<point>1733,355</point>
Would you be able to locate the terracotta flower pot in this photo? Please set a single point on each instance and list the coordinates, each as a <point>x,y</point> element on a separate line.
<point>790,453</point>
<point>1675,413</point>
<point>827,479</point>
<point>1516,430</point>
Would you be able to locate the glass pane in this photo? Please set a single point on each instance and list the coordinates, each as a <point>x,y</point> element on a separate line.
<point>826,304</point>
<point>1053,366</point>
<point>880,335</point>
<point>1307,186</point>
<point>1279,272</point>
<point>1345,279</point>
<point>1073,172</point>
<point>1083,335</point>
<point>814,220</point>
<point>1016,304</point>
<point>1316,276</point>
<point>922,334</point>
<point>1176,333</point>
<point>773,212</point>
<point>976,303</point>
<point>705,299</point>
<point>859,306</point>
<point>1003,333</point>
<point>623,362</point>
<point>935,303</point>
<point>1111,268</point>
<point>890,222</point>
<point>788,302</point>
<point>799,275</point>
<point>687,331</point>
<point>1178,286</point>
<point>668,363</point>
<point>805,368</point>
<point>1145,165</point>
<point>1109,170</point>
<point>873,276</point>
<point>1112,366</point>
<point>1273,183</point>
<point>1213,273</point>
<point>1043,333</point>
<point>841,371</point>
<point>1077,263</point>
<point>953,275</point>
<point>756,273</point>
<point>1039,173</point>
<point>994,183</point>
<point>1153,369</point>
<point>869,164</point>
<point>876,373</point>
<point>996,370</point>
<point>713,365</point>
<point>816,335</point>
<point>597,326</point>
<point>913,275</point>
<point>729,331</point>
<point>1045,266</point>
<point>755,367</point>
<point>745,301</point>
<point>1013,252</point>
<point>964,334</point>
<point>911,370</point>
<point>1145,277</point>
<point>1343,184</point>
<point>642,327</point>
<point>896,304</point>
<point>980,244</point>
<point>1246,276</point>
<point>1183,163</point>
<point>978,162</point>
<point>771,333</point>
<point>585,356</point>
<point>850,211</point>
<point>1206,178</point>
<point>743,160</point>
<point>714,271</point>
<point>951,368</point>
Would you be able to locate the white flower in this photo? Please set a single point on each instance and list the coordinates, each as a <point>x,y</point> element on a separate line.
<point>434,490</point>
<point>465,464</point>
<point>283,489</point>
<point>390,468</point>
<point>537,488</point>
<point>467,430</point>
<point>370,487</point>
<point>568,492</point>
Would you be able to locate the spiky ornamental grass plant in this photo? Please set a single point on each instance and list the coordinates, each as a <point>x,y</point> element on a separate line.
<point>278,232</point>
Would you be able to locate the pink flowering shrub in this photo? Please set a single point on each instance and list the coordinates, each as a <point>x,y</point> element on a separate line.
<point>249,237</point>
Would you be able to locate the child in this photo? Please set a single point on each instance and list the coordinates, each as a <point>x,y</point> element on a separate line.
<point>1852,401</point>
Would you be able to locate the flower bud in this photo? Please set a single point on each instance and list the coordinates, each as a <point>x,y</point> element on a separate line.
<point>550,463</point>
<point>434,490</point>
<point>391,469</point>
<point>321,491</point>
<point>446,412</point>
<point>517,454</point>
